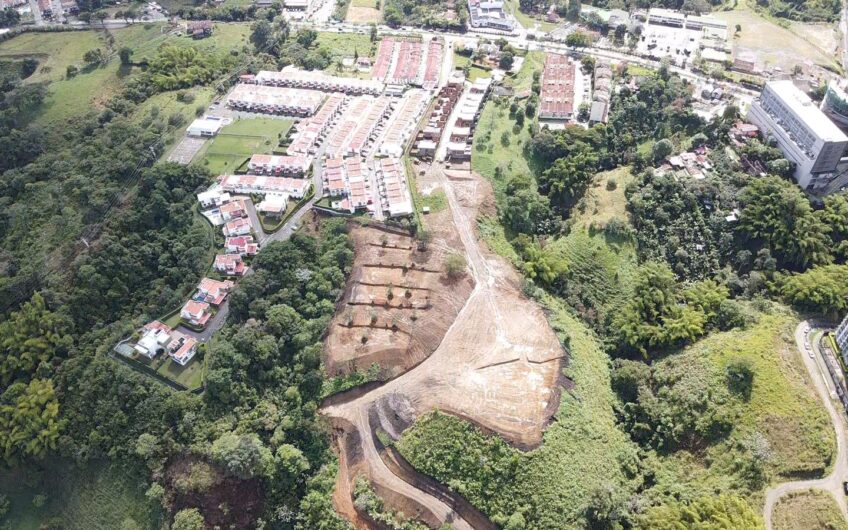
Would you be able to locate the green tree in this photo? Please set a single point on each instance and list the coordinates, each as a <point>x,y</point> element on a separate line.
<point>662,149</point>
<point>243,456</point>
<point>188,519</point>
<point>126,56</point>
<point>31,336</point>
<point>29,421</point>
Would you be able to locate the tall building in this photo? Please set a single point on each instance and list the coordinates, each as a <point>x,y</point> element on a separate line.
<point>804,134</point>
<point>841,336</point>
<point>835,103</point>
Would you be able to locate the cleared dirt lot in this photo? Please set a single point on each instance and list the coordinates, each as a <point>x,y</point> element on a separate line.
<point>398,304</point>
<point>498,365</point>
<point>364,15</point>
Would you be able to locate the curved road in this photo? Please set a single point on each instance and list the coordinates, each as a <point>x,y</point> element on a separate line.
<point>833,482</point>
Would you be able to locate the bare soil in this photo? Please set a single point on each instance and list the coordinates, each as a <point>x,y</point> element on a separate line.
<point>498,364</point>
<point>398,304</point>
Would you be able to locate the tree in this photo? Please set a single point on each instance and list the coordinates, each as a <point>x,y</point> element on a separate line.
<point>662,150</point>
<point>455,265</point>
<point>126,56</point>
<point>29,421</point>
<point>306,37</point>
<point>568,179</point>
<point>620,32</point>
<point>506,60</point>
<point>188,519</point>
<point>577,39</point>
<point>243,456</point>
<point>740,376</point>
<point>776,213</point>
<point>94,56</point>
<point>372,33</point>
<point>9,17</point>
<point>573,10</point>
<point>31,336</point>
<point>820,289</point>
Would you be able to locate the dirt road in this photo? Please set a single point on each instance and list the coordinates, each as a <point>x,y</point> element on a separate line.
<point>833,482</point>
<point>498,364</point>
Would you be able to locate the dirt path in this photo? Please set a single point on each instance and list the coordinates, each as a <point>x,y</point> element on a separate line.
<point>498,364</point>
<point>833,482</point>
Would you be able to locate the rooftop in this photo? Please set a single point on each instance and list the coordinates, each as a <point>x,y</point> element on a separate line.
<point>807,111</point>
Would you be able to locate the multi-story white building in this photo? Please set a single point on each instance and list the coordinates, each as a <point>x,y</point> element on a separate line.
<point>489,14</point>
<point>802,131</point>
<point>841,336</point>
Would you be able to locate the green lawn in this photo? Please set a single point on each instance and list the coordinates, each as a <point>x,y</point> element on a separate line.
<point>526,20</point>
<point>239,140</point>
<point>364,3</point>
<point>94,497</point>
<point>190,376</point>
<point>54,51</point>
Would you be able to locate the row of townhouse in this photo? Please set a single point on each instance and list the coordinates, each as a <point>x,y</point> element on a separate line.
<point>279,165</point>
<point>385,58</point>
<point>447,98</point>
<point>556,100</point>
<point>402,123</point>
<point>292,76</point>
<point>359,126</point>
<point>468,112</point>
<point>348,183</point>
<point>393,187</point>
<point>433,67</point>
<point>408,65</point>
<point>261,185</point>
<point>310,133</point>
<point>275,100</point>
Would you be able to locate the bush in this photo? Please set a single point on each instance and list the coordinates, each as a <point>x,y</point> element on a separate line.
<point>455,265</point>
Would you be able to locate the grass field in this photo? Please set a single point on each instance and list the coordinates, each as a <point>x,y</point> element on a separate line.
<point>190,376</point>
<point>811,510</point>
<point>774,44</point>
<point>489,156</point>
<point>239,140</point>
<point>345,44</point>
<point>94,497</point>
<point>527,21</point>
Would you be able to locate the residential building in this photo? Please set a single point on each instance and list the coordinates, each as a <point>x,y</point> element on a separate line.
<point>295,102</point>
<point>490,14</point>
<point>250,184</point>
<point>154,337</point>
<point>199,28</point>
<point>556,101</point>
<point>196,313</point>
<point>804,134</point>
<point>213,197</point>
<point>294,77</point>
<point>274,204</point>
<point>238,227</point>
<point>290,166</point>
<point>182,348</point>
<point>206,126</point>
<point>242,245</point>
<point>393,187</point>
<point>230,264</point>
<point>700,22</point>
<point>233,210</point>
<point>212,291</point>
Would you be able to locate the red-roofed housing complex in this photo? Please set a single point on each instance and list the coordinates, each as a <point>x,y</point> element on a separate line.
<point>289,166</point>
<point>557,95</point>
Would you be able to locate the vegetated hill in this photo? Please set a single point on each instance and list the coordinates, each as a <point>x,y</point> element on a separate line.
<point>802,10</point>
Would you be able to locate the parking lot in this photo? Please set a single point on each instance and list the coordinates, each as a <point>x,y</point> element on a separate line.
<point>184,152</point>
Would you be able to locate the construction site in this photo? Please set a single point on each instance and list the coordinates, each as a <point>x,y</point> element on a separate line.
<point>471,346</point>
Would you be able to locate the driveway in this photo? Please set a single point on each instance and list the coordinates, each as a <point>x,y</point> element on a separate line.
<point>833,482</point>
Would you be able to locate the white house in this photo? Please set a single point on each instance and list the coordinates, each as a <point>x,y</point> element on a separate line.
<point>206,126</point>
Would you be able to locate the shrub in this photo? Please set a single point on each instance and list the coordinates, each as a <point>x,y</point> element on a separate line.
<point>455,265</point>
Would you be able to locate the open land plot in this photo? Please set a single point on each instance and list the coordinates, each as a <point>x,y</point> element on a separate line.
<point>364,14</point>
<point>773,44</point>
<point>398,305</point>
<point>239,140</point>
<point>498,365</point>
<point>346,44</point>
<point>811,510</point>
<point>93,497</point>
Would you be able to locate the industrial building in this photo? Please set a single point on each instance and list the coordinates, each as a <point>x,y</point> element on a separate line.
<point>804,134</point>
<point>489,14</point>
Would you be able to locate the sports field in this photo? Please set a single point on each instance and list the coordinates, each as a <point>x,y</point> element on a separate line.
<point>241,139</point>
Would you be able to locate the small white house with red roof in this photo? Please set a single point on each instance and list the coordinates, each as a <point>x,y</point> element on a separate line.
<point>238,227</point>
<point>230,264</point>
<point>233,210</point>
<point>242,245</point>
<point>213,291</point>
<point>182,348</point>
<point>196,313</point>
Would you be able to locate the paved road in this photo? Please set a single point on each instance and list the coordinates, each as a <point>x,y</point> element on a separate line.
<point>833,482</point>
